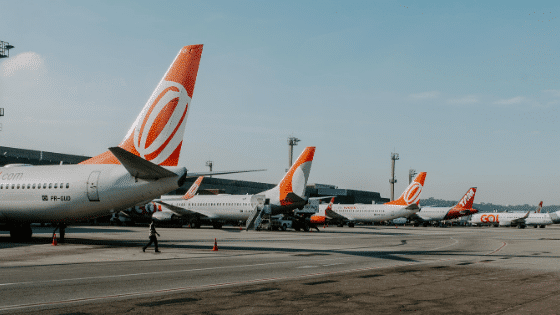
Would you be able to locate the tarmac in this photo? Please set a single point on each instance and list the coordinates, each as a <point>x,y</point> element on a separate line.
<point>361,270</point>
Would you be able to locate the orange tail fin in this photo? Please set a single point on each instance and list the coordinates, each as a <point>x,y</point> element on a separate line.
<point>157,133</point>
<point>467,201</point>
<point>329,207</point>
<point>412,193</point>
<point>539,208</point>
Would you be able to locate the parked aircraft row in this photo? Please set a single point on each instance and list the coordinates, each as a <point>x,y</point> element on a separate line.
<point>141,168</point>
<point>144,166</point>
<point>518,219</point>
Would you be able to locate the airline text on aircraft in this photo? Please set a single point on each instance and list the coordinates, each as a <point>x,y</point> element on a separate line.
<point>12,176</point>
<point>489,218</point>
<point>466,198</point>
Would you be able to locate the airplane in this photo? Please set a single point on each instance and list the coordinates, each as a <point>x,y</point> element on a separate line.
<point>289,194</point>
<point>405,206</point>
<point>539,208</point>
<point>234,207</point>
<point>142,167</point>
<point>435,215</point>
<point>519,219</point>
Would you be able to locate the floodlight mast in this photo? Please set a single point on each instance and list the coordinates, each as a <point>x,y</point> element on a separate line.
<point>411,174</point>
<point>209,164</point>
<point>5,49</point>
<point>292,141</point>
<point>392,181</point>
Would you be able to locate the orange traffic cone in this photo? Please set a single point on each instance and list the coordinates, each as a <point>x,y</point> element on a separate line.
<point>54,241</point>
<point>324,226</point>
<point>215,248</point>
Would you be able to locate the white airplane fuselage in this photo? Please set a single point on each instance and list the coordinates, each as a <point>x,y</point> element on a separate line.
<point>433,213</point>
<point>216,207</point>
<point>370,213</point>
<point>74,192</point>
<point>511,218</point>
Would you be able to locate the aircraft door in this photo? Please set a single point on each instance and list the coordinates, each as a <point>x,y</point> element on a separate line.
<point>92,192</point>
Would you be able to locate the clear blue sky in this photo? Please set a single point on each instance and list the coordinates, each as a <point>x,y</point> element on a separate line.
<point>468,92</point>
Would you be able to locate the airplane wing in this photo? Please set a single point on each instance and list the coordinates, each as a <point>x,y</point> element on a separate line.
<point>182,211</point>
<point>333,215</point>
<point>522,219</point>
<point>197,174</point>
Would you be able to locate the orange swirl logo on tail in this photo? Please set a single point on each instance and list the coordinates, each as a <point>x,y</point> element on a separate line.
<point>160,128</point>
<point>412,194</point>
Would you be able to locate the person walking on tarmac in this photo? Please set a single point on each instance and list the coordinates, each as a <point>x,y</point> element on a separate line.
<point>153,238</point>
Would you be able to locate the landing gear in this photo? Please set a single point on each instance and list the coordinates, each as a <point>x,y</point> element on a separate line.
<point>217,225</point>
<point>350,224</point>
<point>21,232</point>
<point>195,224</point>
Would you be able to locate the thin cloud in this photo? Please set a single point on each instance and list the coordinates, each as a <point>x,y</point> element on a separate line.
<point>24,61</point>
<point>466,100</point>
<point>511,101</point>
<point>425,95</point>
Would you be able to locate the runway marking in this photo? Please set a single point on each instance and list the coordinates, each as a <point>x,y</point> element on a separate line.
<point>209,286</point>
<point>497,250</point>
<point>456,241</point>
<point>163,272</point>
<point>335,264</point>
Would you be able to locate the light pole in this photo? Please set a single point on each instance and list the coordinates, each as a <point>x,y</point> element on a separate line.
<point>5,49</point>
<point>394,157</point>
<point>292,141</point>
<point>209,164</point>
<point>411,174</point>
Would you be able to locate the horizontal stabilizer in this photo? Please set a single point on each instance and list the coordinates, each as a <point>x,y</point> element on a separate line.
<point>412,207</point>
<point>140,168</point>
<point>219,173</point>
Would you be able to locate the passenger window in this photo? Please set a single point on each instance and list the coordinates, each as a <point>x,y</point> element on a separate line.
<point>45,186</point>
<point>67,185</point>
<point>61,185</point>
<point>33,186</point>
<point>50,185</point>
<point>28,186</point>
<point>55,185</point>
<point>17,186</point>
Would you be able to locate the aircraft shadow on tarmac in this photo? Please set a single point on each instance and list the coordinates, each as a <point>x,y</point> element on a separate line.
<point>7,242</point>
<point>389,255</point>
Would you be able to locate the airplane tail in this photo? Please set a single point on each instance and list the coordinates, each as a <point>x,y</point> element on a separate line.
<point>539,208</point>
<point>412,193</point>
<point>194,188</point>
<point>467,201</point>
<point>329,207</point>
<point>157,133</point>
<point>291,188</point>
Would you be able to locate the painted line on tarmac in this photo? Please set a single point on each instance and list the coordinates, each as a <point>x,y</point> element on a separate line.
<point>208,286</point>
<point>504,244</point>
<point>163,272</point>
<point>437,248</point>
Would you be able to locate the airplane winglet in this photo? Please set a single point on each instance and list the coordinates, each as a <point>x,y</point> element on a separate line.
<point>194,188</point>
<point>138,167</point>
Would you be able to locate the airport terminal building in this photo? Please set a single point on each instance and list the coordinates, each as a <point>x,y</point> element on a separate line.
<point>209,184</point>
